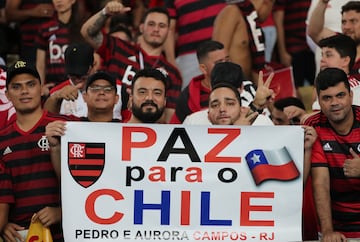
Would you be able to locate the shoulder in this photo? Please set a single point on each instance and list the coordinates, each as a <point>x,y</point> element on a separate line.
<point>312,119</point>
<point>60,86</point>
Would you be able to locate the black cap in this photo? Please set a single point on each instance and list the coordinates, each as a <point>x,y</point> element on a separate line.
<point>103,76</point>
<point>78,59</point>
<point>21,67</point>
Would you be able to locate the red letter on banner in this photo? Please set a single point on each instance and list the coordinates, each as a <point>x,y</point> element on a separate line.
<point>232,134</point>
<point>128,144</point>
<point>90,206</point>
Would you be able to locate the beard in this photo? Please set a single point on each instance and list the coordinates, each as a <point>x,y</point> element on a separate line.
<point>147,116</point>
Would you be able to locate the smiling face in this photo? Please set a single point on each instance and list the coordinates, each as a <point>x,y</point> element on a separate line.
<point>224,107</point>
<point>101,96</point>
<point>350,25</point>
<point>148,99</point>
<point>24,91</point>
<point>335,103</point>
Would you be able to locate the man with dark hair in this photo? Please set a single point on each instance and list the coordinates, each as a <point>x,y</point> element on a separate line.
<point>350,25</point>
<point>278,115</point>
<point>335,157</point>
<point>195,96</point>
<point>28,184</point>
<point>123,59</point>
<point>225,106</point>
<point>148,96</point>
<point>66,98</point>
<point>231,73</point>
<point>339,51</point>
<point>100,95</point>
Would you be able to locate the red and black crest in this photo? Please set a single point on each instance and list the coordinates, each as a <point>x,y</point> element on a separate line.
<point>86,162</point>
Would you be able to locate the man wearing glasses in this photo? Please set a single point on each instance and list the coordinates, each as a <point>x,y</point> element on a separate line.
<point>67,98</point>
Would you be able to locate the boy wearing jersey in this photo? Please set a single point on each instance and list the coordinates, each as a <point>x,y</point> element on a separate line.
<point>28,184</point>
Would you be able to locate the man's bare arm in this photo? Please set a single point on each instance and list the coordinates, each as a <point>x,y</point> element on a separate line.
<point>321,185</point>
<point>91,29</point>
<point>225,25</point>
<point>316,29</point>
<point>169,45</point>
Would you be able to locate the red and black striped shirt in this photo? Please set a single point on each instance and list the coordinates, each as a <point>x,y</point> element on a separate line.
<point>295,15</point>
<point>330,151</point>
<point>27,178</point>
<point>124,59</point>
<point>54,39</point>
<point>194,21</point>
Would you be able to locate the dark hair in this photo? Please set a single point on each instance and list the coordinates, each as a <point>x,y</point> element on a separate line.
<point>343,44</point>
<point>156,10</point>
<point>227,72</point>
<point>206,47</point>
<point>288,101</point>
<point>157,74</point>
<point>349,6</point>
<point>227,85</point>
<point>330,77</point>
<point>121,28</point>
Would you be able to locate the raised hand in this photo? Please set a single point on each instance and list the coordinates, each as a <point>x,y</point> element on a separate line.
<point>352,166</point>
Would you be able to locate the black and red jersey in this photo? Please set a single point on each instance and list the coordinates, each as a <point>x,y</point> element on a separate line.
<point>257,46</point>
<point>29,28</point>
<point>194,21</point>
<point>54,38</point>
<point>330,150</point>
<point>124,59</point>
<point>295,15</point>
<point>193,98</point>
<point>27,178</point>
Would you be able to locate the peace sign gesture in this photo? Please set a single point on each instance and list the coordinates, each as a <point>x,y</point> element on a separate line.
<point>264,95</point>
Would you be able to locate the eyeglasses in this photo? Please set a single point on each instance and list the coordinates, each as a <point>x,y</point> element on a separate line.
<point>105,89</point>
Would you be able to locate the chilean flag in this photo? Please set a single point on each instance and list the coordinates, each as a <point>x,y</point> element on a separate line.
<point>271,165</point>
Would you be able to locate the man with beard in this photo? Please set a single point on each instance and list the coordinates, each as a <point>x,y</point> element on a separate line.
<point>148,96</point>
<point>335,161</point>
<point>123,59</point>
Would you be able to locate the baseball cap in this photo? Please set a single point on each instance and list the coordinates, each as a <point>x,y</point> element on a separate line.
<point>78,58</point>
<point>101,75</point>
<point>21,67</point>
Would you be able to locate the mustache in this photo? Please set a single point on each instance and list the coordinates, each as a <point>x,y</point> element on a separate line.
<point>149,102</point>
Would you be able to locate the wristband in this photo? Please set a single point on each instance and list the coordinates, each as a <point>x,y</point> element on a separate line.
<point>255,109</point>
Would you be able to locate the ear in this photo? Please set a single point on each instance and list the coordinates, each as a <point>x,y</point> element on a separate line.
<point>117,98</point>
<point>203,69</point>
<point>347,62</point>
<point>84,94</point>
<point>141,28</point>
<point>7,94</point>
<point>129,104</point>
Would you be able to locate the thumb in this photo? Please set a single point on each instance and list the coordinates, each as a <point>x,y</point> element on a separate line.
<point>353,153</point>
<point>80,85</point>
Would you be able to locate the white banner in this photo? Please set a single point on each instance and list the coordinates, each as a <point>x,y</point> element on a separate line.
<point>189,183</point>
